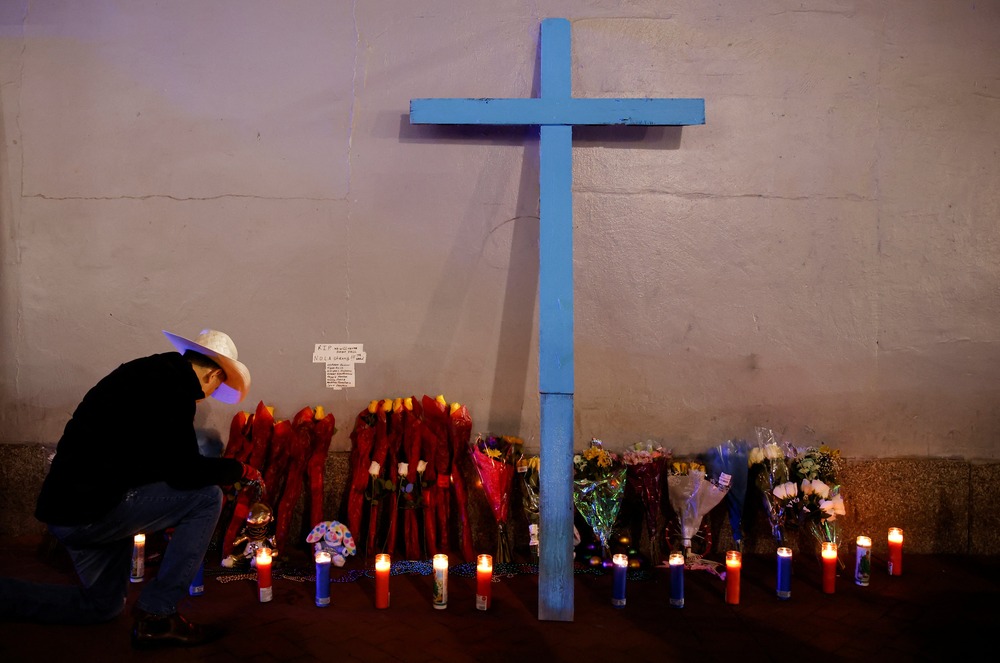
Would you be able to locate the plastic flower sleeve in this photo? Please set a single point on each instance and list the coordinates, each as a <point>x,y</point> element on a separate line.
<point>645,481</point>
<point>598,501</point>
<point>527,471</point>
<point>769,469</point>
<point>692,496</point>
<point>494,458</point>
<point>730,458</point>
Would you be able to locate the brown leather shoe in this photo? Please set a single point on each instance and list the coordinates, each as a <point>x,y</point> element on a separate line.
<point>151,631</point>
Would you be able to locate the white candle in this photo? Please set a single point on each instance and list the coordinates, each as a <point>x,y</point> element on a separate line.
<point>440,581</point>
<point>138,558</point>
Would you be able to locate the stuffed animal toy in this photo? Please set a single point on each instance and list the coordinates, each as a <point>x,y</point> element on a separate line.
<point>332,537</point>
<point>256,534</point>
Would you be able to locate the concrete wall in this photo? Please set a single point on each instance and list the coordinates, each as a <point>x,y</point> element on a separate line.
<point>819,258</point>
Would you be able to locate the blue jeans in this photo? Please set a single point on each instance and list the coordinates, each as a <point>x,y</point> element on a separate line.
<point>102,555</point>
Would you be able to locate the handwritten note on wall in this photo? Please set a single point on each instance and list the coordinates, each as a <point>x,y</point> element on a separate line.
<point>340,359</point>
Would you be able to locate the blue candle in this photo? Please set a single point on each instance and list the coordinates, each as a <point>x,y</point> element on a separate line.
<point>784,573</point>
<point>322,579</point>
<point>621,567</point>
<point>676,561</point>
<point>197,587</point>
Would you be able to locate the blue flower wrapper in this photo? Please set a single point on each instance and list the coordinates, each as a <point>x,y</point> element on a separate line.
<point>730,458</point>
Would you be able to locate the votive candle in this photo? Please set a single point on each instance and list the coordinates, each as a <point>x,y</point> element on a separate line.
<point>829,553</point>
<point>484,580</point>
<point>383,564</point>
<point>734,565</point>
<point>895,551</point>
<point>620,564</point>
<point>197,586</point>
<point>440,581</point>
<point>138,558</point>
<point>784,585</point>
<point>323,559</point>
<point>263,560</point>
<point>863,561</point>
<point>676,562</point>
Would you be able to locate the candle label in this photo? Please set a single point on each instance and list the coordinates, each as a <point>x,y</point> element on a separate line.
<point>676,562</point>
<point>482,602</point>
<point>197,586</point>
<point>322,601</point>
<point>266,594</point>
<point>440,588</point>
<point>138,563</point>
<point>863,566</point>
<point>618,603</point>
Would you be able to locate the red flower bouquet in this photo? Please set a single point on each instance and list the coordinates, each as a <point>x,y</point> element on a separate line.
<point>495,458</point>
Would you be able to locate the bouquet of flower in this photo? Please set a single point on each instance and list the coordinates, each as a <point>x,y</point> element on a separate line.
<point>598,484</point>
<point>527,470</point>
<point>692,495</point>
<point>816,469</point>
<point>768,465</point>
<point>495,457</point>
<point>730,458</point>
<point>644,464</point>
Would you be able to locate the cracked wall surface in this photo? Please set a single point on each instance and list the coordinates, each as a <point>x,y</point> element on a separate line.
<point>819,258</point>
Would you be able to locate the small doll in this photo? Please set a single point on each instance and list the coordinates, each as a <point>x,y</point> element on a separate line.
<point>255,535</point>
<point>332,537</point>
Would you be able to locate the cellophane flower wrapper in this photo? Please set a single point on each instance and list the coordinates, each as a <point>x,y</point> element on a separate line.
<point>730,458</point>
<point>527,472</point>
<point>692,496</point>
<point>598,501</point>
<point>495,459</point>
<point>644,466</point>
<point>769,468</point>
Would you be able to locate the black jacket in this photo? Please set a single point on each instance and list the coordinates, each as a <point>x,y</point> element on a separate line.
<point>135,427</point>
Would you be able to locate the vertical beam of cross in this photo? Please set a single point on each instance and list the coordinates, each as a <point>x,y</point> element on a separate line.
<point>555,111</point>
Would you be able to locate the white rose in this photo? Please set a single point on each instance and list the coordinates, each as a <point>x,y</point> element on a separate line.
<point>374,468</point>
<point>403,469</point>
<point>421,466</point>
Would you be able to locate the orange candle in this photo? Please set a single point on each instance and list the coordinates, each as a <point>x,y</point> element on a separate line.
<point>484,578</point>
<point>829,567</point>
<point>263,560</point>
<point>382,566</point>
<point>895,551</point>
<point>734,564</point>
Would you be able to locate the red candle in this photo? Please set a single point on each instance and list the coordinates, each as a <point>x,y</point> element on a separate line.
<point>263,560</point>
<point>382,565</point>
<point>829,567</point>
<point>734,564</point>
<point>484,578</point>
<point>895,551</point>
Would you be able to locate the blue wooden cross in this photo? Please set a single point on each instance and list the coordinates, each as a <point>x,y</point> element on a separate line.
<point>555,111</point>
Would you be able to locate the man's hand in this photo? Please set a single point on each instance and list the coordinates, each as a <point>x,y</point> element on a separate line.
<point>251,474</point>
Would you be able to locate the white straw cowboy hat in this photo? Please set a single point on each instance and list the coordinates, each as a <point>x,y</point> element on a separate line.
<point>218,347</point>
